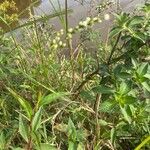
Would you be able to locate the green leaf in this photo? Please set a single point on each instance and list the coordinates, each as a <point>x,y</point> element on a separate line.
<point>44,146</point>
<point>72,134</point>
<point>23,130</point>
<point>18,148</point>
<point>87,95</point>
<point>136,20</point>
<point>142,70</point>
<point>128,100</point>
<point>103,89</point>
<point>146,86</point>
<point>107,106</point>
<point>72,145</point>
<point>36,122</point>
<point>125,88</point>
<point>134,62</point>
<point>80,146</point>
<point>115,31</point>
<point>51,98</point>
<point>2,140</point>
<point>124,75</point>
<point>26,106</point>
<point>147,76</point>
<point>113,135</point>
<point>126,113</point>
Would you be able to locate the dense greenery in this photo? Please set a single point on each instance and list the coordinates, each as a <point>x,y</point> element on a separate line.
<point>77,99</point>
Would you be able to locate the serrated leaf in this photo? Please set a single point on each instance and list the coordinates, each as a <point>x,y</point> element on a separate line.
<point>36,122</point>
<point>103,89</point>
<point>23,130</point>
<point>25,104</point>
<point>51,98</point>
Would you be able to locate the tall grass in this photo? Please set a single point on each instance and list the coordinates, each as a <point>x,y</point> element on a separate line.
<point>51,101</point>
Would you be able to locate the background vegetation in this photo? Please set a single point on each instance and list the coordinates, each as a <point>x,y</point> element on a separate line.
<point>79,100</point>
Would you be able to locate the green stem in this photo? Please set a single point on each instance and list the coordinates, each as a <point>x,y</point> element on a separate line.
<point>143,143</point>
<point>113,49</point>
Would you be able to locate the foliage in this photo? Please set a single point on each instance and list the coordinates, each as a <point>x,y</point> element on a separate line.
<point>76,100</point>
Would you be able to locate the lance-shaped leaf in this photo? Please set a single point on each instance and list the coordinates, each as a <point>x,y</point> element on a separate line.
<point>25,104</point>
<point>23,130</point>
<point>36,122</point>
<point>103,89</point>
<point>51,98</point>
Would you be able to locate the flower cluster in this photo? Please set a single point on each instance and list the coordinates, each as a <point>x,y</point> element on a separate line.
<point>56,42</point>
<point>89,22</point>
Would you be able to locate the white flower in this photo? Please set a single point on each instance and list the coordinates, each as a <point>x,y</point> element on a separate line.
<point>54,41</point>
<point>70,30</point>
<point>88,19</point>
<point>64,44</point>
<point>57,38</point>
<point>106,16</point>
<point>55,46</point>
<point>95,19</point>
<point>60,43</point>
<point>61,31</point>
<point>69,36</point>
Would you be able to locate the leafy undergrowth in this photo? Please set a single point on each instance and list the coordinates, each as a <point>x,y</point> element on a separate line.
<point>51,100</point>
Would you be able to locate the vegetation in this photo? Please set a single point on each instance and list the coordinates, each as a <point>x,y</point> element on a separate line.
<point>77,100</point>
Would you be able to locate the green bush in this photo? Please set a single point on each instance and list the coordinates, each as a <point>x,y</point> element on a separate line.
<point>52,100</point>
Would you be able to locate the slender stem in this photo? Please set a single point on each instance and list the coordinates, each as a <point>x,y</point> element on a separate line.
<point>113,49</point>
<point>66,16</point>
<point>97,126</point>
